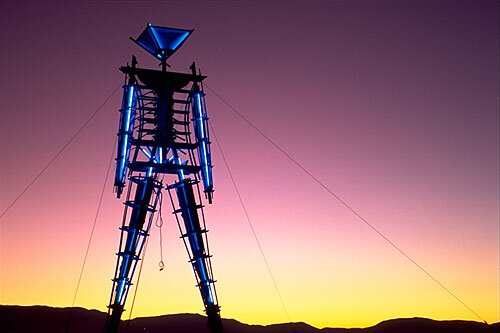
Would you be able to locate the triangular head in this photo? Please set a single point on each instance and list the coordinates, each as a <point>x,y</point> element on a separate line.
<point>162,42</point>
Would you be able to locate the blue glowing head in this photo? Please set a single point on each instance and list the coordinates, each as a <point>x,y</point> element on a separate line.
<point>162,42</point>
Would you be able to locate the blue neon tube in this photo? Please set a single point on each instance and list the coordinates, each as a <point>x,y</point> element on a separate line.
<point>126,123</point>
<point>203,151</point>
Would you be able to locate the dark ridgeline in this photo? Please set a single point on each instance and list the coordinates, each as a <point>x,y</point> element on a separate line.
<point>44,319</point>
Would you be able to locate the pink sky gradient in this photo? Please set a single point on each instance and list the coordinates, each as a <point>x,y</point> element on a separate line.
<point>393,105</point>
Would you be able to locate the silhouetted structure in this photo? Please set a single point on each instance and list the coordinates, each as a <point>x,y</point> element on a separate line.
<point>163,143</point>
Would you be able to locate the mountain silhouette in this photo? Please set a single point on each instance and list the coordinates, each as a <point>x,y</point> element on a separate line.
<point>44,319</point>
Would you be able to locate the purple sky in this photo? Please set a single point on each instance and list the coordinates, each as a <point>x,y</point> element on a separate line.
<point>392,104</point>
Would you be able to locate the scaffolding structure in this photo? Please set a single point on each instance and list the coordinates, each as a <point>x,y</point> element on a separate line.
<point>163,147</point>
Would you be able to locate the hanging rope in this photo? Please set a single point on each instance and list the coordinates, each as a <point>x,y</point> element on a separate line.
<point>159,224</point>
<point>343,202</point>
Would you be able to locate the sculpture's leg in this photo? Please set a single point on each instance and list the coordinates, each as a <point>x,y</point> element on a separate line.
<point>193,231</point>
<point>139,215</point>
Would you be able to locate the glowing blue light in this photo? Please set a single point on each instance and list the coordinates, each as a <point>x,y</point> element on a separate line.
<point>162,42</point>
<point>203,140</point>
<point>198,99</point>
<point>158,41</point>
<point>124,147</point>
<point>207,155</point>
<point>126,125</point>
<point>176,44</point>
<point>119,291</point>
<point>146,153</point>
<point>178,161</point>
<point>197,248</point>
<point>129,106</point>
<point>126,122</point>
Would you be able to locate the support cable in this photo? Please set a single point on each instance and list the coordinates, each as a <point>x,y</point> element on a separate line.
<point>250,223</point>
<point>343,202</point>
<point>111,159</point>
<point>42,171</point>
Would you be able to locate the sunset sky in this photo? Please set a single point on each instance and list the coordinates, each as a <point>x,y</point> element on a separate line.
<point>391,104</point>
